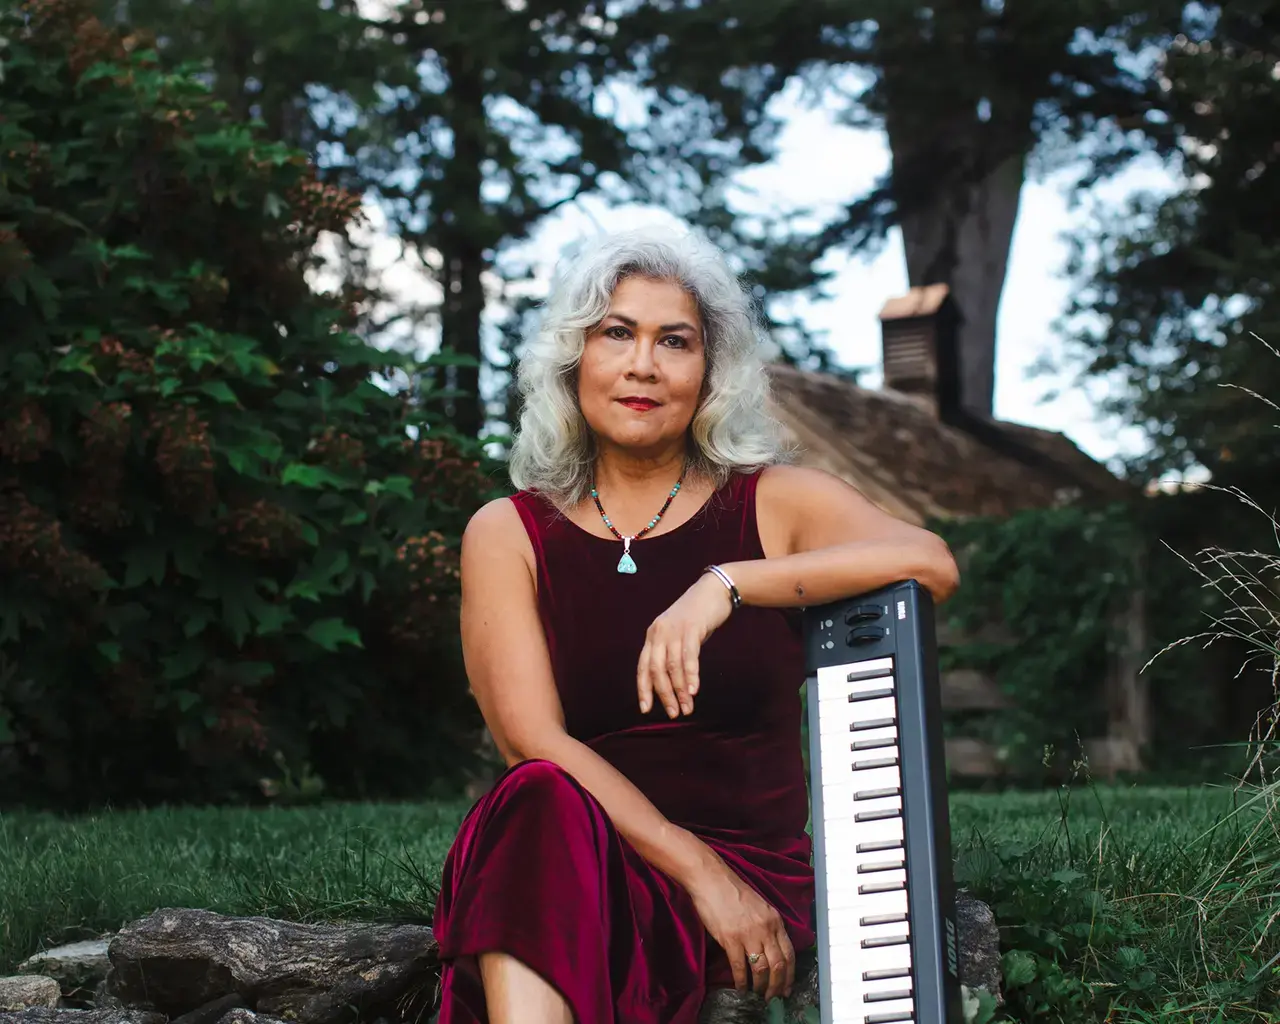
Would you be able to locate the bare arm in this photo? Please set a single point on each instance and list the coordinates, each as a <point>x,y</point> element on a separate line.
<point>825,541</point>
<point>507,661</point>
<point>822,541</point>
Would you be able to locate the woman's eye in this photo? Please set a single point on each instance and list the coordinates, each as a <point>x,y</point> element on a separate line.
<point>678,339</point>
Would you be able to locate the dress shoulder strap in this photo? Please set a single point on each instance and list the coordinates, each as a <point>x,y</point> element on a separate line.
<point>536,513</point>
<point>742,505</point>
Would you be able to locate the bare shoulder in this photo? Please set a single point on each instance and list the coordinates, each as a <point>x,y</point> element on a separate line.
<point>494,520</point>
<point>495,530</point>
<point>803,508</point>
<point>785,482</point>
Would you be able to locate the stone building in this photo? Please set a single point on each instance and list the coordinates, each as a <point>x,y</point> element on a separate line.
<point>920,450</point>
<point>913,446</point>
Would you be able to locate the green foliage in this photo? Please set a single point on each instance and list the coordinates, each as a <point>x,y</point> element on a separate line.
<point>227,524</point>
<point>1177,293</point>
<point>1040,609</point>
<point>1013,574</point>
<point>1118,915</point>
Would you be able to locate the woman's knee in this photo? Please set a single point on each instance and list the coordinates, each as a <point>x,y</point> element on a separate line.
<point>545,794</point>
<point>538,779</point>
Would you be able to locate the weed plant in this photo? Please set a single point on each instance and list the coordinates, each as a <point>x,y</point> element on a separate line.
<point>1164,924</point>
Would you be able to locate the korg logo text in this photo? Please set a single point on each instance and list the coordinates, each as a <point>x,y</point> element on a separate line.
<point>952,956</point>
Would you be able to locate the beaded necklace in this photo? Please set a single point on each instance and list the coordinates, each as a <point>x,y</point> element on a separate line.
<point>626,563</point>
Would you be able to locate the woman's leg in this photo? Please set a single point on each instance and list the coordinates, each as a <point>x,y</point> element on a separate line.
<point>516,994</point>
<point>590,933</point>
<point>523,915</point>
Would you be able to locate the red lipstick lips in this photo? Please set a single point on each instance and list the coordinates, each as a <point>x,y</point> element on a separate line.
<point>639,404</point>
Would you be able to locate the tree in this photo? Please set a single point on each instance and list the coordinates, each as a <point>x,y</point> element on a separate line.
<point>468,124</point>
<point>228,525</point>
<point>1178,300</point>
<point>971,94</point>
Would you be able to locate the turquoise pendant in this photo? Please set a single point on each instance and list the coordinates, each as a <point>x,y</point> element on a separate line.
<point>626,563</point>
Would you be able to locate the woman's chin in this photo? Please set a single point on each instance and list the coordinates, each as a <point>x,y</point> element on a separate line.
<point>639,439</point>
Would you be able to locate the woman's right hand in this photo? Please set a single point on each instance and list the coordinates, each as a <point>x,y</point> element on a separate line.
<point>743,923</point>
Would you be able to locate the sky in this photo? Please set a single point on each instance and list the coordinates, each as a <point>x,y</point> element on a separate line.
<point>821,161</point>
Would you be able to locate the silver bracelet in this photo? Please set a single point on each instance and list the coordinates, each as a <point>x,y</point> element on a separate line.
<point>734,597</point>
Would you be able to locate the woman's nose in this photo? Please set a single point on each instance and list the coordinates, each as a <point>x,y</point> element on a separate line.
<point>642,361</point>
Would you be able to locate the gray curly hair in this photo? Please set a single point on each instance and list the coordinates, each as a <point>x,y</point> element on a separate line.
<point>553,450</point>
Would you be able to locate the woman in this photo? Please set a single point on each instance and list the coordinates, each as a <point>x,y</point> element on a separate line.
<point>648,838</point>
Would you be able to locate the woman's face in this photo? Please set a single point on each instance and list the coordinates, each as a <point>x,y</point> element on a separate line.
<point>642,366</point>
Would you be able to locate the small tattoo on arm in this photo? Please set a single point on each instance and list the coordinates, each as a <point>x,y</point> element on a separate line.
<point>799,590</point>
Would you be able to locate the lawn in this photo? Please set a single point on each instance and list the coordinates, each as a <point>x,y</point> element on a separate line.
<point>1125,902</point>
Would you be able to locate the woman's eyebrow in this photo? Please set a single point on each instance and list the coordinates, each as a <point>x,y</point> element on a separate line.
<point>678,326</point>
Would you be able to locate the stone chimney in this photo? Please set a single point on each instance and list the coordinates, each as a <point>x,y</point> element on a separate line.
<point>918,333</point>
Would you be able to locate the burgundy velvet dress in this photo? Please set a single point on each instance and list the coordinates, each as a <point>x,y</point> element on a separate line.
<point>538,870</point>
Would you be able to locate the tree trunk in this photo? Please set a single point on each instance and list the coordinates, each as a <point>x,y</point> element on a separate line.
<point>463,235</point>
<point>959,235</point>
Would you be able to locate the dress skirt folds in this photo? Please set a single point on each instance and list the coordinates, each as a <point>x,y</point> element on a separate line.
<point>539,871</point>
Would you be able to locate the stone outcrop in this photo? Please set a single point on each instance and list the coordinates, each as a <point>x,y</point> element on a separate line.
<point>75,967</point>
<point>74,1016</point>
<point>176,960</point>
<point>25,991</point>
<point>179,966</point>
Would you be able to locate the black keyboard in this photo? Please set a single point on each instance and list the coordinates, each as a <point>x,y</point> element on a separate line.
<point>887,944</point>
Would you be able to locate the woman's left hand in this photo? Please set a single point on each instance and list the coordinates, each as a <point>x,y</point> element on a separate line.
<point>668,667</point>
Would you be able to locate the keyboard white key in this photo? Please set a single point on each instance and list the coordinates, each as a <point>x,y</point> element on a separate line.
<point>867,913</point>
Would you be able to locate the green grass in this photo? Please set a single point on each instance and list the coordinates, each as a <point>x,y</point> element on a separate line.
<point>63,879</point>
<point>1121,902</point>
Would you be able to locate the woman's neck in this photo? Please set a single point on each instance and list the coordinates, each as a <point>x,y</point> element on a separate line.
<point>631,474</point>
<point>632,490</point>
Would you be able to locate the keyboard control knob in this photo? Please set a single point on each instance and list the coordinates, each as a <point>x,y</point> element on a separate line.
<point>864,613</point>
<point>866,635</point>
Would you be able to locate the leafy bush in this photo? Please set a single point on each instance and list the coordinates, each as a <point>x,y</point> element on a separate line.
<point>1153,926</point>
<point>1055,579</point>
<point>224,547</point>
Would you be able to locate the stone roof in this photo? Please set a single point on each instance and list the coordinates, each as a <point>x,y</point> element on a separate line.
<point>894,448</point>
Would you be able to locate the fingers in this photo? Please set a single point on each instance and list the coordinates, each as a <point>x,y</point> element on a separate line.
<point>692,648</point>
<point>653,661</point>
<point>786,975</point>
<point>760,972</point>
<point>738,964</point>
<point>663,673</point>
<point>675,672</point>
<point>644,681</point>
<point>773,974</point>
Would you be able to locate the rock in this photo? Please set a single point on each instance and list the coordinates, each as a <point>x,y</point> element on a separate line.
<point>64,1016</point>
<point>213,1012</point>
<point>729,1006</point>
<point>979,948</point>
<point>176,960</point>
<point>28,990</point>
<point>74,966</point>
<point>242,1016</point>
<point>103,999</point>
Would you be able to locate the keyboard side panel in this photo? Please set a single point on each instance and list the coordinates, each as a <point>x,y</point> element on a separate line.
<point>819,852</point>
<point>927,823</point>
